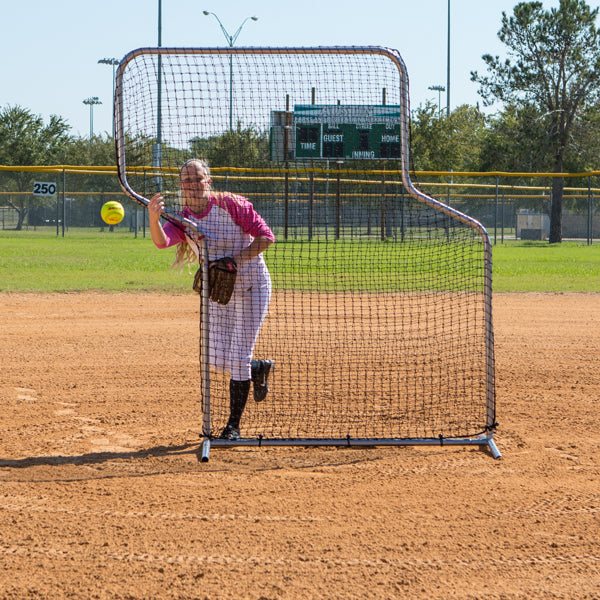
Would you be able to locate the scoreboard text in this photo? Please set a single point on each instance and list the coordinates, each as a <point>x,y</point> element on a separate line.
<point>349,132</point>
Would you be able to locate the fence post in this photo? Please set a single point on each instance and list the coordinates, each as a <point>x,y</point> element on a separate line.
<point>57,200</point>
<point>286,200</point>
<point>592,218</point>
<point>57,204</point>
<point>496,215</point>
<point>327,203</point>
<point>64,202</point>
<point>338,202</point>
<point>383,212</point>
<point>590,232</point>
<point>296,205</point>
<point>502,219</point>
<point>402,209</point>
<point>311,200</point>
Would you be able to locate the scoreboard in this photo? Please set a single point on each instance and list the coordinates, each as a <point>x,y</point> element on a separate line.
<point>348,132</point>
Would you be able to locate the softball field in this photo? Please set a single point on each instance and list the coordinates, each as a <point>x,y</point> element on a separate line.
<point>102,495</point>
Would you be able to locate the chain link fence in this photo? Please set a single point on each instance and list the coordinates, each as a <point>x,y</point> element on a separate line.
<point>304,202</point>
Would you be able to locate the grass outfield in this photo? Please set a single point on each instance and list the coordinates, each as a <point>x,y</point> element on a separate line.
<point>93,260</point>
<point>543,267</point>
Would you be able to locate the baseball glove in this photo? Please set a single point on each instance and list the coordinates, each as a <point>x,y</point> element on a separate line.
<point>222,274</point>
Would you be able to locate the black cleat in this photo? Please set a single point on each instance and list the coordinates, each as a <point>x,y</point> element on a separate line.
<point>260,378</point>
<point>230,433</point>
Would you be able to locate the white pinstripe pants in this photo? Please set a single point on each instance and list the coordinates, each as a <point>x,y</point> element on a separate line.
<point>234,329</point>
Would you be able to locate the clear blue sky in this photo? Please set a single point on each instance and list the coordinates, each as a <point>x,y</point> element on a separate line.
<point>50,49</point>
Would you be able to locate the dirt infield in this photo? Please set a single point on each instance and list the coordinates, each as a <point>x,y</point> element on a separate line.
<point>102,495</point>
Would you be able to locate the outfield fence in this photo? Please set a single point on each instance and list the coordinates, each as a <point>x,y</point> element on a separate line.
<point>302,202</point>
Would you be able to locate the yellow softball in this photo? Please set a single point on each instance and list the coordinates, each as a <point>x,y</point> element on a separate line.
<point>112,212</point>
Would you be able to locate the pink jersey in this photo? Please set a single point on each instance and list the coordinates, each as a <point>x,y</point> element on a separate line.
<point>229,225</point>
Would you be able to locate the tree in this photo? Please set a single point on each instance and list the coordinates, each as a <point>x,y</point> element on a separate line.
<point>445,143</point>
<point>514,140</point>
<point>553,65</point>
<point>97,151</point>
<point>24,141</point>
<point>240,147</point>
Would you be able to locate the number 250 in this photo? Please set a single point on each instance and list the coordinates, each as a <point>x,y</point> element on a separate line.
<point>44,189</point>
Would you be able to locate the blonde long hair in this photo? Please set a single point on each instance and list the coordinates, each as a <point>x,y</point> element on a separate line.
<point>184,253</point>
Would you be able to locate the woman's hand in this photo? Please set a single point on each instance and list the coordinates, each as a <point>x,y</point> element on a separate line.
<point>156,206</point>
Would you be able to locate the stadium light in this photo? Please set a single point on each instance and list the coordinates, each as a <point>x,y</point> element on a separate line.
<point>114,62</point>
<point>231,39</point>
<point>92,101</point>
<point>439,89</point>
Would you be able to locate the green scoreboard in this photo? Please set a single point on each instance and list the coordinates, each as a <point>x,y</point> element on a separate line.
<point>348,132</point>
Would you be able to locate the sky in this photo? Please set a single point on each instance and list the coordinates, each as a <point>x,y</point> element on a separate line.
<point>51,49</point>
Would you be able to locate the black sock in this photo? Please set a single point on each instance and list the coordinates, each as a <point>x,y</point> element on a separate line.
<point>238,395</point>
<point>254,366</point>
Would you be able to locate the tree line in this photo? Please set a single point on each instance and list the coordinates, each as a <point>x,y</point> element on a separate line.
<point>546,91</point>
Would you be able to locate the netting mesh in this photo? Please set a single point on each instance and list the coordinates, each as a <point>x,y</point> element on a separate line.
<point>379,322</point>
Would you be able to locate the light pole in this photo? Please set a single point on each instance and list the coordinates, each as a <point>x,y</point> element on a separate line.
<point>114,62</point>
<point>439,89</point>
<point>157,147</point>
<point>231,39</point>
<point>448,67</point>
<point>91,101</point>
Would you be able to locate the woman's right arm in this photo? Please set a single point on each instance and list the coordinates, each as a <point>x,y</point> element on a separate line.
<point>155,209</point>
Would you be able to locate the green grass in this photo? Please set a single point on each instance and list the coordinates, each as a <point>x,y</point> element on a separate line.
<point>369,265</point>
<point>87,259</point>
<point>543,267</point>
